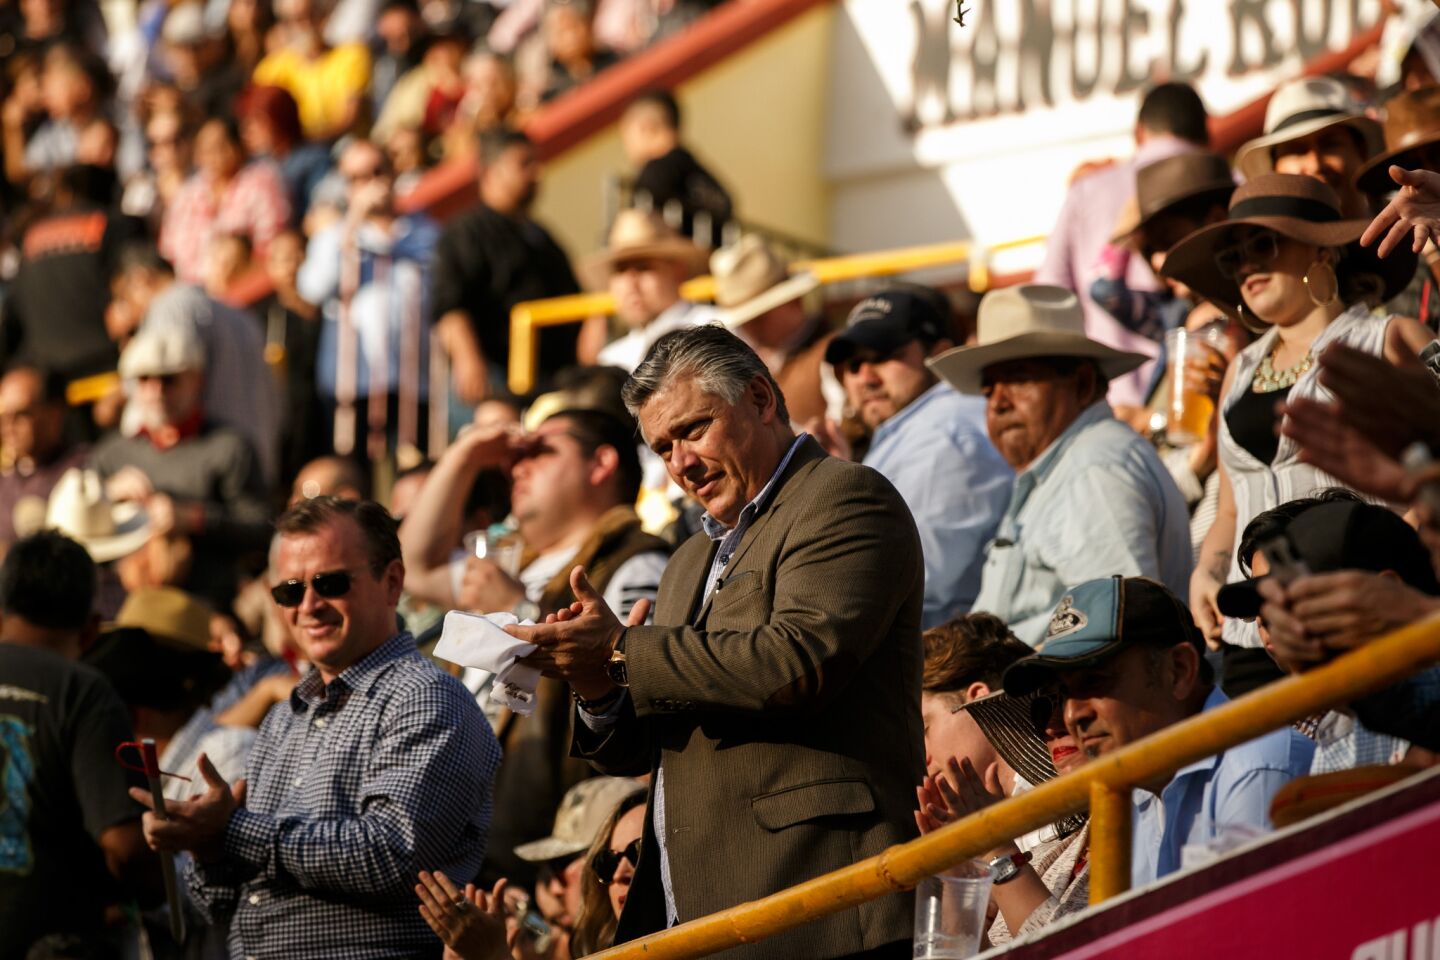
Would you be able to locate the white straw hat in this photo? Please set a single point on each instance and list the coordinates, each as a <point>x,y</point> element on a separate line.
<point>1300,108</point>
<point>79,509</point>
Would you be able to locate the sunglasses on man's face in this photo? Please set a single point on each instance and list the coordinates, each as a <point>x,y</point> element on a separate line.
<point>1258,249</point>
<point>335,583</point>
<point>606,862</point>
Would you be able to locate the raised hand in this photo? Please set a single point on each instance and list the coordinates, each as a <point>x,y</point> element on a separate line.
<point>1414,213</point>
<point>578,643</point>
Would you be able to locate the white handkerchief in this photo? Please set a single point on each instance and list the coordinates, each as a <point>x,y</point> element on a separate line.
<point>480,641</point>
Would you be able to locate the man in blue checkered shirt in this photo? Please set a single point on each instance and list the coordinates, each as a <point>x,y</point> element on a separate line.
<point>378,766</point>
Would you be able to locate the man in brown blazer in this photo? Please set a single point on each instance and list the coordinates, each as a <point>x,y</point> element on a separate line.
<point>776,697</point>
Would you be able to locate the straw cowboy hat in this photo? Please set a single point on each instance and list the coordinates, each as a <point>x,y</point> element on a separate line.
<point>169,615</point>
<point>1035,320</point>
<point>1300,208</point>
<point>1161,185</point>
<point>751,280</point>
<point>641,234</point>
<point>79,509</point>
<point>1297,110</point>
<point>1412,123</point>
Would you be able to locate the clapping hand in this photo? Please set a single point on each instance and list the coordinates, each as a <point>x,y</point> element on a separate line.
<point>945,799</point>
<point>472,924</point>
<point>576,642</point>
<point>197,824</point>
<point>1414,212</point>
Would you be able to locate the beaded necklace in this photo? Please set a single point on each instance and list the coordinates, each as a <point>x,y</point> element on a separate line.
<point>1268,380</point>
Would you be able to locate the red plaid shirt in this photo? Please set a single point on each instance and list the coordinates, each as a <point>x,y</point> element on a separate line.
<point>255,205</point>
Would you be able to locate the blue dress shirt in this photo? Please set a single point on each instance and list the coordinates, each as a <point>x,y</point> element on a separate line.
<point>1230,789</point>
<point>1096,503</point>
<point>937,453</point>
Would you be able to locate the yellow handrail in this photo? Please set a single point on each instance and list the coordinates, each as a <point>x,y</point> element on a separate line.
<point>528,318</point>
<point>1364,670</point>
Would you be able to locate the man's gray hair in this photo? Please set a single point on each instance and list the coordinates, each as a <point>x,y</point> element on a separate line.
<point>720,363</point>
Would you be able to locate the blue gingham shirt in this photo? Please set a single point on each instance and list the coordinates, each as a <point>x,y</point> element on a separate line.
<point>354,787</point>
<point>729,539</point>
<point>1409,709</point>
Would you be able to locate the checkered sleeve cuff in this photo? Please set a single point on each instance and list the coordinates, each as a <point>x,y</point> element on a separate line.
<point>605,720</point>
<point>250,839</point>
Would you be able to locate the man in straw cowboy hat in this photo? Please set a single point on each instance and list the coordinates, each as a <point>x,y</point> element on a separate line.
<point>923,429</point>
<point>644,266</point>
<point>764,304</point>
<point>1091,497</point>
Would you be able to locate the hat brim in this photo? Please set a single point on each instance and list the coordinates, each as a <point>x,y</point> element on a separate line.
<point>1374,177</point>
<point>1192,260</point>
<point>132,530</point>
<point>598,267</point>
<point>1028,674</point>
<point>1128,234</point>
<point>550,848</point>
<point>1253,158</point>
<point>881,336</point>
<point>963,367</point>
<point>1007,723</point>
<point>781,293</point>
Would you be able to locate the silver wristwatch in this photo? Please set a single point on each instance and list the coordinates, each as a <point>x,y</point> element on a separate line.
<point>1007,868</point>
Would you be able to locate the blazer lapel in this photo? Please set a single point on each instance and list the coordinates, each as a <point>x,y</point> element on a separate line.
<point>809,454</point>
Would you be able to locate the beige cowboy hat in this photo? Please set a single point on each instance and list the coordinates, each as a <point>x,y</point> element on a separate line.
<point>751,280</point>
<point>1300,108</point>
<point>1412,123</point>
<point>1034,320</point>
<point>169,615</point>
<point>79,509</point>
<point>1300,208</point>
<point>641,234</point>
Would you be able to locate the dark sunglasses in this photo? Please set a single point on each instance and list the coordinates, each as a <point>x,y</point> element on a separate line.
<point>1258,248</point>
<point>606,862</point>
<point>330,585</point>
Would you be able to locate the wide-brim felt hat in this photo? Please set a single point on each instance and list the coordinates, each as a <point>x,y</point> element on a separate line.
<point>1301,108</point>
<point>1161,185</point>
<point>1296,207</point>
<point>751,280</point>
<point>1412,123</point>
<point>1018,323</point>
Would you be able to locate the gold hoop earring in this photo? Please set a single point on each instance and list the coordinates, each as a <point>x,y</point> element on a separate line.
<point>1255,328</point>
<point>1334,285</point>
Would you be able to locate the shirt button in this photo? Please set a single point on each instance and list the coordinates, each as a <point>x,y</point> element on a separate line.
<point>319,721</point>
<point>299,780</point>
<point>254,899</point>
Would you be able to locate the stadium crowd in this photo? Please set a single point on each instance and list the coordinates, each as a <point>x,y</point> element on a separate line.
<point>766,594</point>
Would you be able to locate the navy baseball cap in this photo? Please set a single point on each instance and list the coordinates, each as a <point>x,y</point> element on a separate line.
<point>1096,620</point>
<point>1343,535</point>
<point>887,321</point>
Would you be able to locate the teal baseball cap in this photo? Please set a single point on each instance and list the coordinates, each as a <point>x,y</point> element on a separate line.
<point>1096,620</point>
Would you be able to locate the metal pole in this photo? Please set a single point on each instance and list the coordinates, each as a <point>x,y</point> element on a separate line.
<point>1109,841</point>
<point>347,352</point>
<point>523,362</point>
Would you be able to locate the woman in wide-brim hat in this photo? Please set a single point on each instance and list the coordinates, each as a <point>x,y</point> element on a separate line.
<point>1286,262</point>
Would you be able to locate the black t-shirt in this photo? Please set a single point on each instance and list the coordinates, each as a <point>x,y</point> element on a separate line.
<point>60,789</point>
<point>57,301</point>
<point>485,263</point>
<point>679,176</point>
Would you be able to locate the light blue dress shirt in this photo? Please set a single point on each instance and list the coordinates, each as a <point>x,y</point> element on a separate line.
<point>1096,503</point>
<point>939,457</point>
<point>1230,789</point>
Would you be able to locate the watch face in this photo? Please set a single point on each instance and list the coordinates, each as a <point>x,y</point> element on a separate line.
<point>617,672</point>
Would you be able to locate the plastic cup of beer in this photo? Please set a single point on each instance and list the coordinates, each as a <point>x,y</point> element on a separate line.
<point>1190,412</point>
<point>950,912</point>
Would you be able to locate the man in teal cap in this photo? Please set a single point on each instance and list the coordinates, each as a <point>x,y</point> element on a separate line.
<point>1126,658</point>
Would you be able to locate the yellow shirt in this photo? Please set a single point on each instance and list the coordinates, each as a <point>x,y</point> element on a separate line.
<point>322,88</point>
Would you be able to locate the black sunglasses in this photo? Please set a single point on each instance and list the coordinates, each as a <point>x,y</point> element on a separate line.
<point>335,583</point>
<point>606,862</point>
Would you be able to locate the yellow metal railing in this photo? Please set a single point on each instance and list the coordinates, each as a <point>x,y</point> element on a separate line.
<point>1103,785</point>
<point>527,319</point>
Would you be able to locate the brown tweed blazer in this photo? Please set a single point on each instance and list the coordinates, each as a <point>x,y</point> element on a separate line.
<point>784,711</point>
